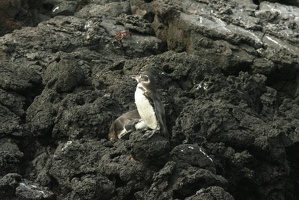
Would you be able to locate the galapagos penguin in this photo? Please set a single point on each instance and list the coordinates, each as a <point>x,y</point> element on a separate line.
<point>124,124</point>
<point>148,103</point>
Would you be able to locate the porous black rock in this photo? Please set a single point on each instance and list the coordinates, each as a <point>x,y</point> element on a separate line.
<point>151,150</point>
<point>227,74</point>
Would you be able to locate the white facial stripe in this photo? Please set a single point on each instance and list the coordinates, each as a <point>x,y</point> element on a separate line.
<point>148,80</point>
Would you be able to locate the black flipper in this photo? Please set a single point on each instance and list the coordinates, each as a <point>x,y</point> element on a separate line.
<point>160,113</point>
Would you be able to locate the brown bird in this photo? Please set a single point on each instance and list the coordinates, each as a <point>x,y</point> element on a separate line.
<point>124,124</point>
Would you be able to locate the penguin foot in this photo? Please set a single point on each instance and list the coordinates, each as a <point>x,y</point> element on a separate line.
<point>149,133</point>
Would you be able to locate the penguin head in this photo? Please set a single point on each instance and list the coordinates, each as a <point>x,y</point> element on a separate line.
<point>146,79</point>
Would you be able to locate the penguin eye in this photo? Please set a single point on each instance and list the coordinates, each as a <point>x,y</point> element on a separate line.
<point>144,77</point>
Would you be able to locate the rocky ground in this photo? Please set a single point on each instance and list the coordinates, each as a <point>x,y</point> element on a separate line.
<point>227,73</point>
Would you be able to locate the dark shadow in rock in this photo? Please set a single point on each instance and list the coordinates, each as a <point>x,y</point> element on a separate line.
<point>292,185</point>
<point>10,156</point>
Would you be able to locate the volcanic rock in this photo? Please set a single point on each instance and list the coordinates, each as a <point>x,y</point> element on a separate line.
<point>227,74</point>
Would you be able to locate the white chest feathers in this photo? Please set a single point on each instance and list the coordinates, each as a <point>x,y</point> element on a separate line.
<point>145,109</point>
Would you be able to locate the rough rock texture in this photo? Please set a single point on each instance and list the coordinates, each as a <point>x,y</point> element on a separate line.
<point>17,13</point>
<point>227,73</point>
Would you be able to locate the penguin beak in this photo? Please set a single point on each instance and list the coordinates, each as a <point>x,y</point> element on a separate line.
<point>136,77</point>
